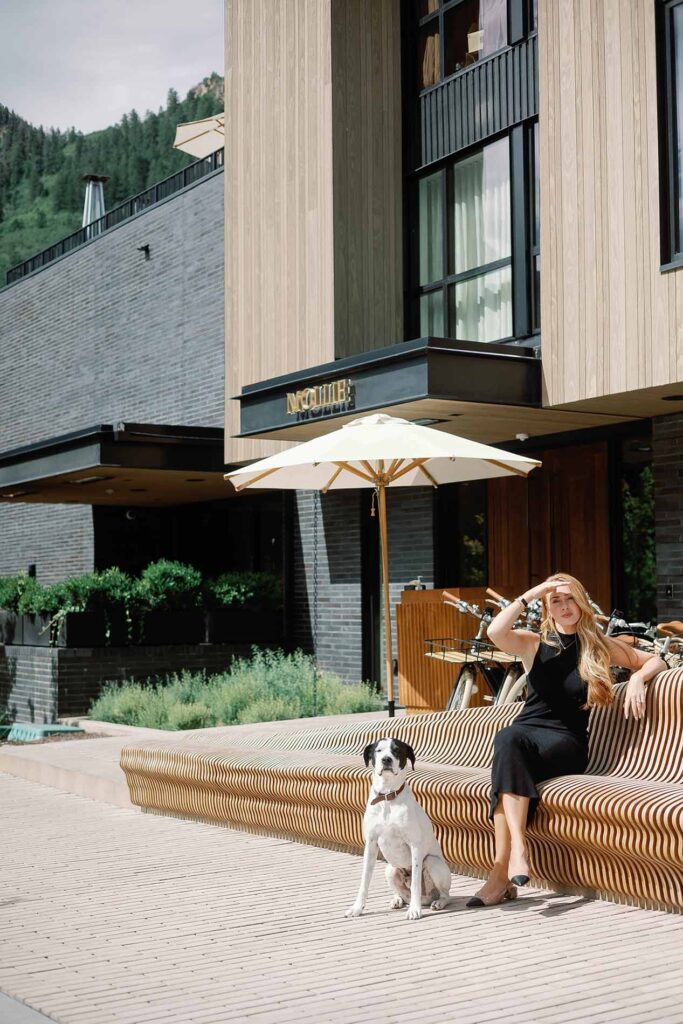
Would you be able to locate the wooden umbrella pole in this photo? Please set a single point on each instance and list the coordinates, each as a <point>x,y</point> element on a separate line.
<point>387,606</point>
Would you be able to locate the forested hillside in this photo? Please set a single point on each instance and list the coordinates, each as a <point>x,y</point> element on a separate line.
<point>41,194</point>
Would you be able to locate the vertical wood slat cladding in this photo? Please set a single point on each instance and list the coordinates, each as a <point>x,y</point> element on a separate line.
<point>610,317</point>
<point>279,309</point>
<point>480,102</point>
<point>367,175</point>
<point>556,521</point>
<point>425,684</point>
<point>313,189</point>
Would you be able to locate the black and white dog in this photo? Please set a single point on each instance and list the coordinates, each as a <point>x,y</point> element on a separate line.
<point>396,824</point>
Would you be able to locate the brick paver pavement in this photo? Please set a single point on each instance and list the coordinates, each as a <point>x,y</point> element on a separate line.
<point>109,915</point>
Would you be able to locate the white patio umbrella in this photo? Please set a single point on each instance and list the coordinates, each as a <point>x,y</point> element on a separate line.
<point>381,451</point>
<point>201,138</point>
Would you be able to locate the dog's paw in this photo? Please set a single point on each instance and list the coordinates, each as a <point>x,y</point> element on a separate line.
<point>413,913</point>
<point>440,903</point>
<point>397,903</point>
<point>355,910</point>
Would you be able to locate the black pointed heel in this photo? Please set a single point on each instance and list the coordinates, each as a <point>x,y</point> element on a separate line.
<point>510,893</point>
<point>519,879</point>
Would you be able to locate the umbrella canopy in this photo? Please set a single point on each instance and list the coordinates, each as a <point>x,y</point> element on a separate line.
<point>381,451</point>
<point>201,138</point>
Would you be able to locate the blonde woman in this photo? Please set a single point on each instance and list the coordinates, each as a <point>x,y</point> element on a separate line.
<point>568,671</point>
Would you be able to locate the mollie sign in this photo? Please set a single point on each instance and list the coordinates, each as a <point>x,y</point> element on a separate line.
<point>324,396</point>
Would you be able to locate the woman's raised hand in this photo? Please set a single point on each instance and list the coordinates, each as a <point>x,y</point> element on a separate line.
<point>548,586</point>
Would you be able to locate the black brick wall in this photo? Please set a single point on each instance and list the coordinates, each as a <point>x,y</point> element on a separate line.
<point>39,684</point>
<point>340,627</point>
<point>104,335</point>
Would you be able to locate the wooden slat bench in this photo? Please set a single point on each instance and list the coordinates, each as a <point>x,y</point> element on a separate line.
<point>616,832</point>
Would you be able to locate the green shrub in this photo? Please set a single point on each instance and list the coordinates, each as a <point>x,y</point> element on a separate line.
<point>261,590</point>
<point>169,585</point>
<point>269,686</point>
<point>190,716</point>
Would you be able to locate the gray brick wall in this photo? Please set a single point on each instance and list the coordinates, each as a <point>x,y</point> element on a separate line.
<point>667,438</point>
<point>104,335</point>
<point>410,512</point>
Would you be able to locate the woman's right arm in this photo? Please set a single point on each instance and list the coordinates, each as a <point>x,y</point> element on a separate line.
<point>517,641</point>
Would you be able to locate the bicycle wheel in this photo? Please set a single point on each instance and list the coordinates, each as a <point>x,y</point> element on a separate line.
<point>462,690</point>
<point>516,691</point>
<point>511,677</point>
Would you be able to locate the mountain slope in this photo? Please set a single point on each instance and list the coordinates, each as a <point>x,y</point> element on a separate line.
<point>41,194</point>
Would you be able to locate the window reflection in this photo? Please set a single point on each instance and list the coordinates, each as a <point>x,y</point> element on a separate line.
<point>480,226</point>
<point>481,307</point>
<point>431,228</point>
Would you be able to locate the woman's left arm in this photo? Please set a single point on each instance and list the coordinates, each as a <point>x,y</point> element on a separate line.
<point>643,668</point>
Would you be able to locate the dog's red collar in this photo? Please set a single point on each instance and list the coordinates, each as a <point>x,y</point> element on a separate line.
<point>387,796</point>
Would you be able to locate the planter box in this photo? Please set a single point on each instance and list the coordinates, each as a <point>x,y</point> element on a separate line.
<point>11,628</point>
<point>243,625</point>
<point>161,628</point>
<point>77,629</point>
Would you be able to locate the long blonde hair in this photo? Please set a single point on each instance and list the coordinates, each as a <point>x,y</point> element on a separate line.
<point>595,658</point>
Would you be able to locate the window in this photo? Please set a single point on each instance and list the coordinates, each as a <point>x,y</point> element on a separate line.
<point>670,59</point>
<point>535,236</point>
<point>465,248</point>
<point>454,35</point>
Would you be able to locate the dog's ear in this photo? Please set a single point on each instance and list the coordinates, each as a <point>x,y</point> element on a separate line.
<point>369,754</point>
<point>405,753</point>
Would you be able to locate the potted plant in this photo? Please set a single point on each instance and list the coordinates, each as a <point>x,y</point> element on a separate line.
<point>244,607</point>
<point>168,595</point>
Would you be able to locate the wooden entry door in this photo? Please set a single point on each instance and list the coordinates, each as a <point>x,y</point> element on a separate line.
<point>555,521</point>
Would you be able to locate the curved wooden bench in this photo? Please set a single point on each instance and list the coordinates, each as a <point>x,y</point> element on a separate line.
<point>616,832</point>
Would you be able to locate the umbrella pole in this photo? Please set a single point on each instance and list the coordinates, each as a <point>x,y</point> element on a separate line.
<point>387,605</point>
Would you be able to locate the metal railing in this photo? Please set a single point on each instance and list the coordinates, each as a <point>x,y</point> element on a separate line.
<point>136,204</point>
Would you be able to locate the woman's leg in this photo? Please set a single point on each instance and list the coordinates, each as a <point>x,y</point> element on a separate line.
<point>516,810</point>
<point>497,881</point>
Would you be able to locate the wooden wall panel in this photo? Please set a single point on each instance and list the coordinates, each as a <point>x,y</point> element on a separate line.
<point>556,521</point>
<point>367,175</point>
<point>425,684</point>
<point>279,310</point>
<point>508,534</point>
<point>609,316</point>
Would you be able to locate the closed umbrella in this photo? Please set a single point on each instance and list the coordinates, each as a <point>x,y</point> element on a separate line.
<point>381,451</point>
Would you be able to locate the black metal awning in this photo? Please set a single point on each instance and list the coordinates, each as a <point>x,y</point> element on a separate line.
<point>120,463</point>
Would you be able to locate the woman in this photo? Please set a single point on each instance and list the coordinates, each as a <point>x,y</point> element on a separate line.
<point>568,673</point>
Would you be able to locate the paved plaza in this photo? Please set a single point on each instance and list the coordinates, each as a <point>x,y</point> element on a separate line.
<point>111,915</point>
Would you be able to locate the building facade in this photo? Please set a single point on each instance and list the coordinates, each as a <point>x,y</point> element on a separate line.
<point>466,213</point>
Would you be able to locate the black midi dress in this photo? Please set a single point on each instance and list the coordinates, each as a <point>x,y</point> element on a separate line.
<point>550,735</point>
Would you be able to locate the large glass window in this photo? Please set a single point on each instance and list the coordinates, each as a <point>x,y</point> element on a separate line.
<point>455,34</point>
<point>468,204</point>
<point>536,236</point>
<point>670,33</point>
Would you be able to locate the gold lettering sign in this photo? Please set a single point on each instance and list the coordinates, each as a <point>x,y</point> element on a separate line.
<point>337,392</point>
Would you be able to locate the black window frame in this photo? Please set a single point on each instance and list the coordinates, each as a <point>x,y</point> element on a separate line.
<point>523,248</point>
<point>670,174</point>
<point>439,16</point>
<point>534,189</point>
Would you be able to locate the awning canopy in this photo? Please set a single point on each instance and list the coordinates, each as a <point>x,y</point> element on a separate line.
<point>118,464</point>
<point>487,392</point>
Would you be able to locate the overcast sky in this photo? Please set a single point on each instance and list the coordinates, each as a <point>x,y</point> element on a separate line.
<point>84,63</point>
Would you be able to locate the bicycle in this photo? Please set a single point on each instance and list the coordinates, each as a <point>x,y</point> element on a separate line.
<point>476,656</point>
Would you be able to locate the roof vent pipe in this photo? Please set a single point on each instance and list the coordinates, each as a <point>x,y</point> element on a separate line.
<point>93,207</point>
